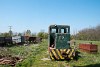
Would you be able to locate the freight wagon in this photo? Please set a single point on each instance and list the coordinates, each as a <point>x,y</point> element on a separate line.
<point>35,39</point>
<point>19,40</point>
<point>11,40</point>
<point>2,41</point>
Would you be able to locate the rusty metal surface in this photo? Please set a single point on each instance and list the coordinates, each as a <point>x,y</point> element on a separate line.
<point>88,47</point>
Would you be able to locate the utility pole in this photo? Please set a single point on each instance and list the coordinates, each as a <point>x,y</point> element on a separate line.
<point>10,32</point>
<point>10,27</point>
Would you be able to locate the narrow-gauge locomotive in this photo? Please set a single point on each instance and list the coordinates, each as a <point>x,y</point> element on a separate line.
<point>59,42</point>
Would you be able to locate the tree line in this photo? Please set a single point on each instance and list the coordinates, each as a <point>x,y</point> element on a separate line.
<point>92,33</point>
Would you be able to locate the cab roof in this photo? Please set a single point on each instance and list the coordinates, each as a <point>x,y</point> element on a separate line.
<point>61,26</point>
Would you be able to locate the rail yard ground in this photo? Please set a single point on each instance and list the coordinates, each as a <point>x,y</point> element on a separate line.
<point>36,55</point>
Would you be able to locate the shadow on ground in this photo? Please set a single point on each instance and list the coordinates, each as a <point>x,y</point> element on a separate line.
<point>91,65</point>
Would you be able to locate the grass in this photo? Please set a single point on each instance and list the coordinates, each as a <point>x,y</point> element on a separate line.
<point>33,54</point>
<point>87,59</point>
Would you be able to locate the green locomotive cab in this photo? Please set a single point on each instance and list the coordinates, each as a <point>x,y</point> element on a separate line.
<point>59,42</point>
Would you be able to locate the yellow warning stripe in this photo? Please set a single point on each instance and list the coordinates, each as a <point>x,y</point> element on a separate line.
<point>51,56</point>
<point>68,51</point>
<point>71,58</point>
<point>71,53</point>
<point>64,50</point>
<point>61,50</point>
<point>59,54</point>
<point>55,54</point>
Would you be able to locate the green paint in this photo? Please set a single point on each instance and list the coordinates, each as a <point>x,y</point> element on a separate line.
<point>62,40</point>
<point>59,35</point>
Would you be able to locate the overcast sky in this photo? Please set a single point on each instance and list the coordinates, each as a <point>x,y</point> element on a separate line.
<point>37,15</point>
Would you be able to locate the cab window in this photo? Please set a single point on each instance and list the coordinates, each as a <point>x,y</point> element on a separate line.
<point>53,30</point>
<point>62,31</point>
<point>66,30</point>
